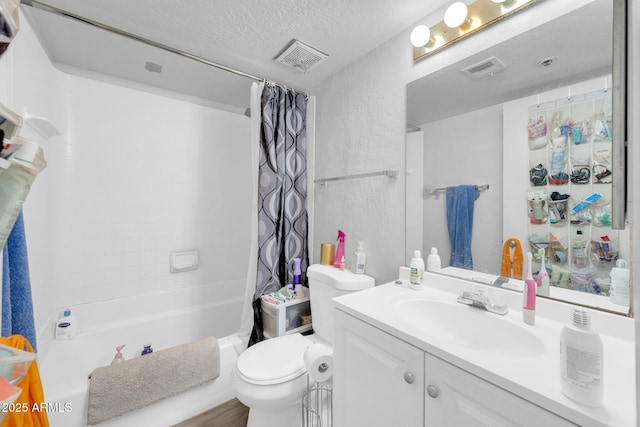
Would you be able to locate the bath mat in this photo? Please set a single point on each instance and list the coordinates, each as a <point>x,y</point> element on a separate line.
<point>118,389</point>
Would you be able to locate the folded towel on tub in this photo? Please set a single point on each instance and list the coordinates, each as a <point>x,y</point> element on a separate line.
<point>133,384</point>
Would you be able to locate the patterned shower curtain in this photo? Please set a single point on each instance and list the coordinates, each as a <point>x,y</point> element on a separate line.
<point>282,194</point>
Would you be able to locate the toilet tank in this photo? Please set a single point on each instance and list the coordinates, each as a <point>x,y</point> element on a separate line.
<point>327,282</point>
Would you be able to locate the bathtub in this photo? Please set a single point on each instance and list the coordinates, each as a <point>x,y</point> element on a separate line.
<point>65,366</point>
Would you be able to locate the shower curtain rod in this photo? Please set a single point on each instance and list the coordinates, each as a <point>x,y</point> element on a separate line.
<point>61,12</point>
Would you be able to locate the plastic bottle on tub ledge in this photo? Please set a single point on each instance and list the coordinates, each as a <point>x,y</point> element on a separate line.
<point>66,326</point>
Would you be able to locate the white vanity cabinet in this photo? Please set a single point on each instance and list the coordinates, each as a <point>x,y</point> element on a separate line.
<point>378,379</point>
<point>455,398</point>
<point>382,381</point>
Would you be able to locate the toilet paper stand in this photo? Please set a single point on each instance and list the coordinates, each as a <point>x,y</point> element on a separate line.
<point>317,404</point>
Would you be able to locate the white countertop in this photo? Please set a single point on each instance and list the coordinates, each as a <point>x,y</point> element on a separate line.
<point>535,378</point>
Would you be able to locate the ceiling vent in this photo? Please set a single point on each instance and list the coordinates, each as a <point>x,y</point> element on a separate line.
<point>301,56</point>
<point>488,67</point>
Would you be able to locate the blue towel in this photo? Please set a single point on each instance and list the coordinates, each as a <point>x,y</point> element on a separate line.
<point>17,307</point>
<point>460,202</point>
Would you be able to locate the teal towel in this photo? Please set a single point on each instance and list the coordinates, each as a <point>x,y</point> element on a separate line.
<point>460,201</point>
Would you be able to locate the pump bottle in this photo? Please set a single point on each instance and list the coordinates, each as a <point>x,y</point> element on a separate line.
<point>359,259</point>
<point>118,358</point>
<point>581,355</point>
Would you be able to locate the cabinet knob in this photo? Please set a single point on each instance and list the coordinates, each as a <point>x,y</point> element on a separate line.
<point>408,377</point>
<point>432,391</point>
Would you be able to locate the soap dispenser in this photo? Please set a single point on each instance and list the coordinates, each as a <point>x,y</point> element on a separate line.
<point>118,357</point>
<point>340,251</point>
<point>581,357</point>
<point>529,296</point>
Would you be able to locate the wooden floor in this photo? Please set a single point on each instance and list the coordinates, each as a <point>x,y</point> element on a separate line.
<point>229,414</point>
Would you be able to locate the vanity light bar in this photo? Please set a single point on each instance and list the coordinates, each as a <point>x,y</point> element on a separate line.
<point>479,15</point>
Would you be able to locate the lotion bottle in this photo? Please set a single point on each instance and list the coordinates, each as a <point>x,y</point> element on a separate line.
<point>66,326</point>
<point>433,260</point>
<point>359,259</point>
<point>416,267</point>
<point>581,356</point>
<point>529,296</point>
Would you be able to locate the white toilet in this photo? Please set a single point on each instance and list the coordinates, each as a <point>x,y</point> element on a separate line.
<point>269,377</point>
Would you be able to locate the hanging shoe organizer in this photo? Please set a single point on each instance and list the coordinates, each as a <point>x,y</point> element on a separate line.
<point>20,162</point>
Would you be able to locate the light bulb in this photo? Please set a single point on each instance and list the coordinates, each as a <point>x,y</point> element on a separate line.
<point>420,36</point>
<point>455,15</point>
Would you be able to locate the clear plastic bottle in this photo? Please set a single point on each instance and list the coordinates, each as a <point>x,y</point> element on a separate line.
<point>581,360</point>
<point>359,259</point>
<point>619,290</point>
<point>578,248</point>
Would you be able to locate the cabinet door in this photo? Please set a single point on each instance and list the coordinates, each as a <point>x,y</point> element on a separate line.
<point>456,398</point>
<point>378,379</point>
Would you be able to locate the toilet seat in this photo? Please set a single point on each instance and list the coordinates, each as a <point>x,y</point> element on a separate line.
<point>273,361</point>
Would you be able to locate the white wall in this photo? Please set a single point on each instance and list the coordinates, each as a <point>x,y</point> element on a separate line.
<point>135,177</point>
<point>466,149</point>
<point>361,128</point>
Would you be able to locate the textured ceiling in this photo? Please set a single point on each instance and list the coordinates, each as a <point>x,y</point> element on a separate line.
<point>245,35</point>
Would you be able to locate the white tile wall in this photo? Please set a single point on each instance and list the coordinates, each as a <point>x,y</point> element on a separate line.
<point>135,177</point>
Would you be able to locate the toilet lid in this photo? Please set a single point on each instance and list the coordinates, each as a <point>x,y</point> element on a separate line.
<point>273,361</point>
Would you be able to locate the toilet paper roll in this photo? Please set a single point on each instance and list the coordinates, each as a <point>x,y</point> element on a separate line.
<point>318,359</point>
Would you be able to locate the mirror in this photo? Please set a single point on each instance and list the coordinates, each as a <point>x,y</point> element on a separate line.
<point>472,128</point>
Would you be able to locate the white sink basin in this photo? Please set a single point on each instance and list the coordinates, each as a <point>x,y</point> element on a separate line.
<point>471,327</point>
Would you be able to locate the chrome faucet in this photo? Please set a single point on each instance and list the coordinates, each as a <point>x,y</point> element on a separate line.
<point>480,300</point>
